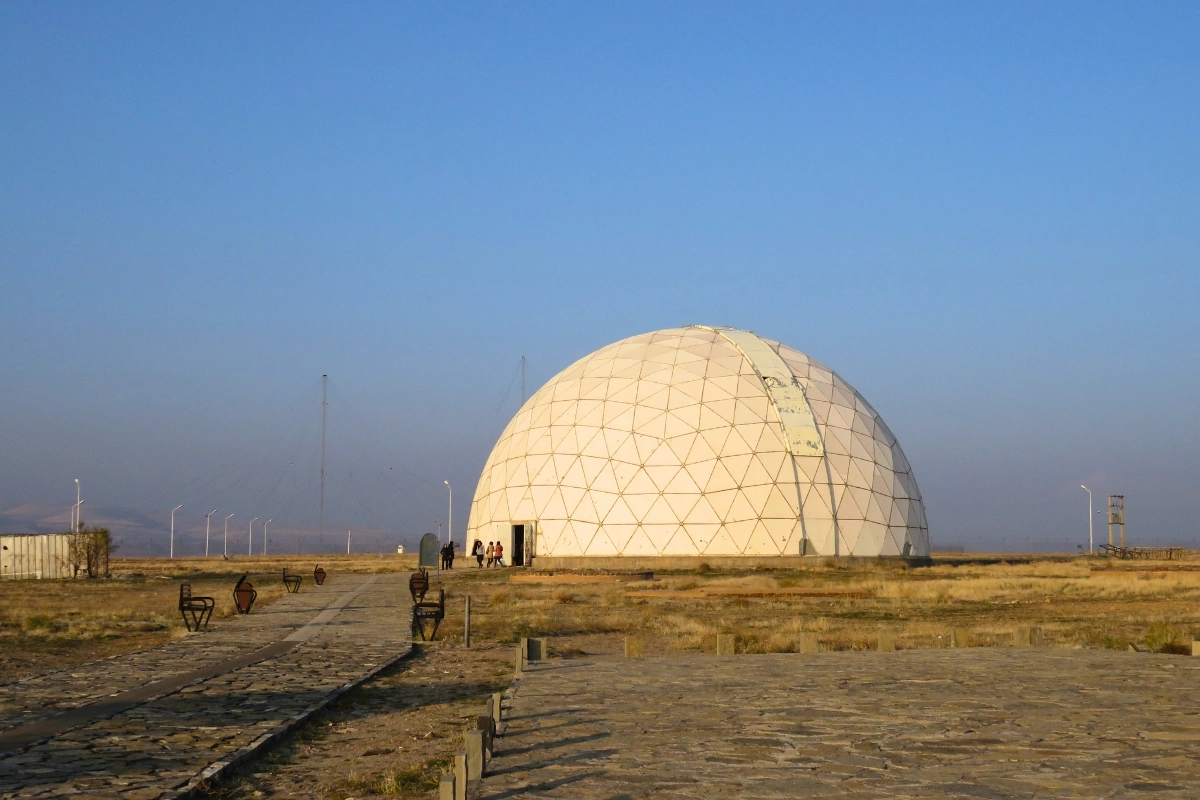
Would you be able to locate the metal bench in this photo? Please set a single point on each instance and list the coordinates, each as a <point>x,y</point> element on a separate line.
<point>418,585</point>
<point>291,582</point>
<point>244,594</point>
<point>319,575</point>
<point>428,612</point>
<point>196,611</point>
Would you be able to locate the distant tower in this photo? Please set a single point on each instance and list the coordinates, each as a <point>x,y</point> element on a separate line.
<point>1116,517</point>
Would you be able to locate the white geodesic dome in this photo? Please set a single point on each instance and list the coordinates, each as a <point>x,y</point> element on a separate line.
<point>700,441</point>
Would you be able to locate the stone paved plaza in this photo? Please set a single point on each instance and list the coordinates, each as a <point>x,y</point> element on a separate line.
<point>149,724</point>
<point>960,723</point>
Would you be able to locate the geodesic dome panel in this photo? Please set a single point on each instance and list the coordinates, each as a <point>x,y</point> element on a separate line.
<point>701,441</point>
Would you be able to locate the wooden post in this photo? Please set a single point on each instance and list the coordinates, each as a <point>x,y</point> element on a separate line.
<point>887,642</point>
<point>725,644</point>
<point>460,776</point>
<point>446,788</point>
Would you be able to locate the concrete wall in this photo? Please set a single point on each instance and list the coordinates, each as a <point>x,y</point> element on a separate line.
<point>35,555</point>
<point>643,563</point>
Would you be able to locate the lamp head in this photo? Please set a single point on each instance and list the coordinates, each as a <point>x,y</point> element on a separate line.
<point>176,508</point>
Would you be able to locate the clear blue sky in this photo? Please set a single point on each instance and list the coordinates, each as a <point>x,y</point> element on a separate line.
<point>984,216</point>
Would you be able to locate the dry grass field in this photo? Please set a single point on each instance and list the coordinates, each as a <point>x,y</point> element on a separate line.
<point>46,625</point>
<point>1079,602</point>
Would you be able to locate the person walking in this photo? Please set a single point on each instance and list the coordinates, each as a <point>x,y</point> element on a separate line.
<point>499,555</point>
<point>477,551</point>
<point>450,555</point>
<point>491,551</point>
<point>445,556</point>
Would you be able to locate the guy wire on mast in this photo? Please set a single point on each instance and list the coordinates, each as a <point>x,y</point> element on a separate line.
<point>321,505</point>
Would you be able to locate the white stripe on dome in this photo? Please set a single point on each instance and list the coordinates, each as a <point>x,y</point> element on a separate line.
<point>795,414</point>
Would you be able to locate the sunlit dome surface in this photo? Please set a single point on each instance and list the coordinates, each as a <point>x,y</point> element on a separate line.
<point>700,441</point>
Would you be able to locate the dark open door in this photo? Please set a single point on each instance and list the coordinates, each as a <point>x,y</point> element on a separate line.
<point>518,546</point>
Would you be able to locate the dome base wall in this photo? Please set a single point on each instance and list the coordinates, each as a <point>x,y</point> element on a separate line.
<point>642,563</point>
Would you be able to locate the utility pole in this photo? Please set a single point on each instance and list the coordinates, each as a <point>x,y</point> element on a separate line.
<point>226,555</point>
<point>321,507</point>
<point>173,510</point>
<point>206,520</point>
<point>75,510</point>
<point>1091,549</point>
<point>265,524</point>
<point>347,541</point>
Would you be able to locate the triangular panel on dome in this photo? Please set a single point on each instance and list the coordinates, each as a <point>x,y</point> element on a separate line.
<point>739,532</point>
<point>720,480</point>
<point>811,469</point>
<point>682,504</point>
<point>681,445</point>
<point>660,513</point>
<point>875,509</point>
<point>662,456</point>
<point>548,503</point>
<point>702,534</point>
<point>546,476</point>
<point>849,530</point>
<point>722,410</point>
<point>620,535</point>
<point>572,496</point>
<point>857,476</point>
<point>870,539</point>
<point>652,395</point>
<point>680,544</point>
<point>640,484</point>
<point>761,543</point>
<point>783,532</point>
<point>585,509</point>
<point>602,502</point>
<point>592,390</point>
<point>756,474</point>
<point>839,467</point>
<point>779,505</point>
<point>701,450</point>
<point>721,544</point>
<point>601,544</point>
<point>721,501</point>
<point>688,416</point>
<point>862,446</point>
<point>820,532</point>
<point>864,424</point>
<point>639,504</point>
<point>619,514</point>
<point>741,508</point>
<point>682,483</point>
<point>736,466</point>
<point>750,409</point>
<point>893,543</point>
<point>735,445</point>
<point>627,452</point>
<point>686,393</point>
<point>639,545</point>
<point>881,480</point>
<point>592,466</point>
<point>591,413</point>
<point>757,496</point>
<point>564,460</point>
<point>674,425</point>
<point>662,476</point>
<point>660,535</point>
<point>624,473</point>
<point>837,441</point>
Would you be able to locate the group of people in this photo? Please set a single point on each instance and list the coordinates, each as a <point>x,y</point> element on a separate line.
<point>494,553</point>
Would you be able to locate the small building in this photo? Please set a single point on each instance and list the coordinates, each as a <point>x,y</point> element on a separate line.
<point>35,555</point>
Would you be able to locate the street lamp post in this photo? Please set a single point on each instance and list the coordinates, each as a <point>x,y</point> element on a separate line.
<point>265,524</point>
<point>1091,549</point>
<point>173,510</point>
<point>75,510</point>
<point>250,543</point>
<point>450,514</point>
<point>206,518</point>
<point>226,554</point>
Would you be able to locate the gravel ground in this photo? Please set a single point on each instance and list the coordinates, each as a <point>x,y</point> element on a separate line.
<point>391,737</point>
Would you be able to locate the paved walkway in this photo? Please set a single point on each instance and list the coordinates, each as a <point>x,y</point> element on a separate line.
<point>152,723</point>
<point>971,723</point>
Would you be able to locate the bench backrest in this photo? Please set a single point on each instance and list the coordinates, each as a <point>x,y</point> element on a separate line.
<point>185,592</point>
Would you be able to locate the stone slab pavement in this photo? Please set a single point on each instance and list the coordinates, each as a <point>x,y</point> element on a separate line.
<point>952,723</point>
<point>156,722</point>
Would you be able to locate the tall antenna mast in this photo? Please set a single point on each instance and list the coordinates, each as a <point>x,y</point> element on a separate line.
<point>321,511</point>
<point>522,380</point>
